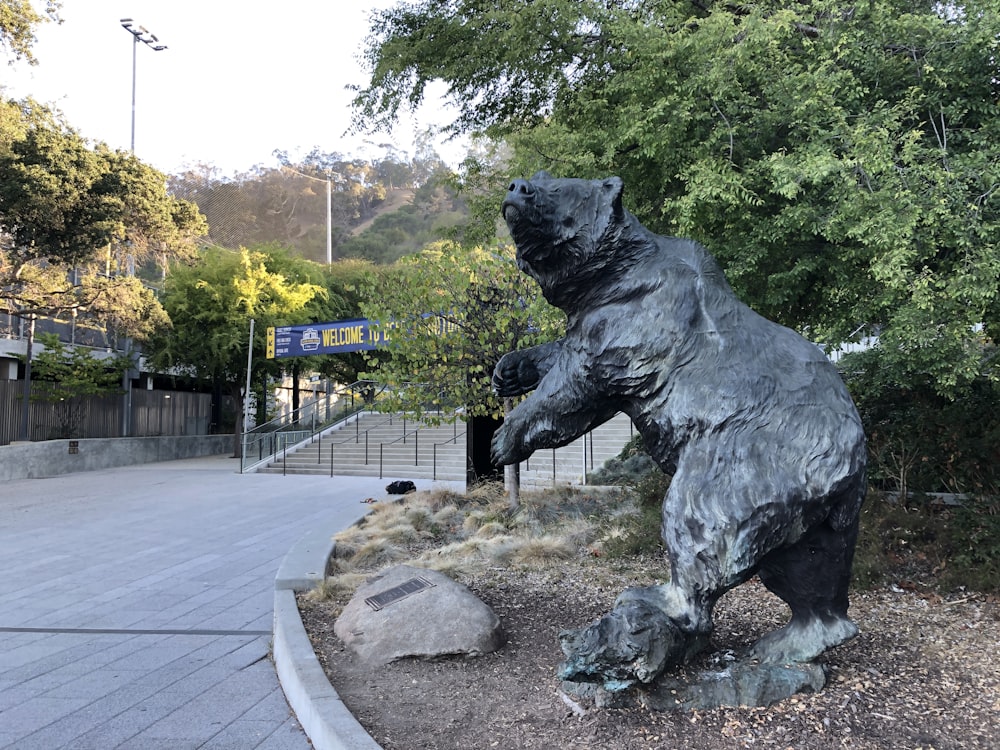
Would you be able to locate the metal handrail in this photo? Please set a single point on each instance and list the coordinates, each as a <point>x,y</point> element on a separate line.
<point>306,422</point>
<point>454,439</point>
<point>416,447</point>
<point>358,433</point>
<point>401,438</point>
<point>587,459</point>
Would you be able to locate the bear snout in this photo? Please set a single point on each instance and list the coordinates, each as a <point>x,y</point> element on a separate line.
<point>520,194</point>
<point>520,187</point>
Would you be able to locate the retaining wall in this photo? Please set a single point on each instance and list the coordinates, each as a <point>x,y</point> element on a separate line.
<point>49,458</point>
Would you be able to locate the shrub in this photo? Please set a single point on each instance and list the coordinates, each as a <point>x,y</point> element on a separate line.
<point>922,441</point>
<point>927,545</point>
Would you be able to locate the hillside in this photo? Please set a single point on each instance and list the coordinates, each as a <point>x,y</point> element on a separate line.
<point>394,200</point>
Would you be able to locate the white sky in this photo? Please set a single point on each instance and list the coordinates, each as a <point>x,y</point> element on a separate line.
<point>237,81</point>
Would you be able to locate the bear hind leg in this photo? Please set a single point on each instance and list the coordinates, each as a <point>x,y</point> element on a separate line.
<point>812,576</point>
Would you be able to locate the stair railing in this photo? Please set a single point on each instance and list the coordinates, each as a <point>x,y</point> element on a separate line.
<point>264,442</point>
<point>400,439</point>
<point>453,439</point>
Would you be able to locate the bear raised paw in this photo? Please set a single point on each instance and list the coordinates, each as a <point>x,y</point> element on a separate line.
<point>765,446</point>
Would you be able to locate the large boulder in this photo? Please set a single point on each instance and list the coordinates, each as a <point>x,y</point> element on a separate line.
<point>412,612</point>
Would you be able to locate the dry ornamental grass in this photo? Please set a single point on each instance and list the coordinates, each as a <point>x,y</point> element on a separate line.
<point>922,674</point>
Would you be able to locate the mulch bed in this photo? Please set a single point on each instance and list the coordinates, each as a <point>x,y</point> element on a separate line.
<point>922,674</point>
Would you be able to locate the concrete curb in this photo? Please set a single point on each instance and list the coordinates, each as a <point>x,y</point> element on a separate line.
<point>324,717</point>
<point>304,567</point>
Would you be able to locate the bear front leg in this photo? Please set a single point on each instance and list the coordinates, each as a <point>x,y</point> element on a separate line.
<point>563,407</point>
<point>521,371</point>
<point>524,431</point>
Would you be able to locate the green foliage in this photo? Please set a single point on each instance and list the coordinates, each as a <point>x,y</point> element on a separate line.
<point>210,305</point>
<point>840,164</point>
<point>627,468</point>
<point>637,533</point>
<point>342,301</point>
<point>61,200</point>
<point>633,534</point>
<point>61,372</point>
<point>78,219</point>
<point>928,546</point>
<point>405,230</point>
<point>18,21</point>
<point>450,313</point>
<point>53,205</point>
<point>64,376</point>
<point>920,441</point>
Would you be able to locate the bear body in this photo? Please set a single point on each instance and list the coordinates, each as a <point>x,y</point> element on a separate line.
<point>765,446</point>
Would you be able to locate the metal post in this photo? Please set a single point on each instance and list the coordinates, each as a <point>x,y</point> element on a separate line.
<point>139,34</point>
<point>127,391</point>
<point>135,46</point>
<point>246,395</point>
<point>329,220</point>
<point>26,392</point>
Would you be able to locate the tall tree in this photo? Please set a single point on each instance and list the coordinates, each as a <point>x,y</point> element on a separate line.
<point>839,159</point>
<point>449,313</point>
<point>67,210</point>
<point>211,303</point>
<point>18,21</point>
<point>343,282</point>
<point>65,207</point>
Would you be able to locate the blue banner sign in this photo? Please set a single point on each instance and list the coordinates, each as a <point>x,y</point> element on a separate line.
<point>339,337</point>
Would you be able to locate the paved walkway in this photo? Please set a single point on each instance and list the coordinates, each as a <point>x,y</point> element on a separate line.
<point>136,604</point>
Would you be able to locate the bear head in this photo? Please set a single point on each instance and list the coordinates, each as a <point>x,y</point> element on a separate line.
<point>558,226</point>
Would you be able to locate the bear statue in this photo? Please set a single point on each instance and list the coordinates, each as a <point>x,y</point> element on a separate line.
<point>754,423</point>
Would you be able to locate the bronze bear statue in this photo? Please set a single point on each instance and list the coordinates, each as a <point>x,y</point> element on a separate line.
<point>764,444</point>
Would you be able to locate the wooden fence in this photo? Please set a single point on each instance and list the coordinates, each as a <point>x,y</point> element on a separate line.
<point>152,413</point>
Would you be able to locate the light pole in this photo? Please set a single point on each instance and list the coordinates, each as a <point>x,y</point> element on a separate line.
<point>139,34</point>
<point>144,35</point>
<point>329,207</point>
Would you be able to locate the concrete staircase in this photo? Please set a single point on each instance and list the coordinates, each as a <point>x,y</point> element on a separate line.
<point>394,446</point>
<point>386,445</point>
<point>569,464</point>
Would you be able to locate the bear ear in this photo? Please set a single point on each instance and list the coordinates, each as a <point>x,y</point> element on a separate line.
<point>614,187</point>
<point>541,175</point>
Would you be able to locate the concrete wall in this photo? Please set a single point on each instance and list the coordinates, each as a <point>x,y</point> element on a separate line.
<point>49,458</point>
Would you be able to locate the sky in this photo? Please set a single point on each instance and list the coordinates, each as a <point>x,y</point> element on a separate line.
<point>237,80</point>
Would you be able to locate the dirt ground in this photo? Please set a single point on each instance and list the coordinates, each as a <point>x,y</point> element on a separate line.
<point>922,674</point>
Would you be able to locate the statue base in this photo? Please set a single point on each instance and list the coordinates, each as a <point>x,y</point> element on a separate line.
<point>722,681</point>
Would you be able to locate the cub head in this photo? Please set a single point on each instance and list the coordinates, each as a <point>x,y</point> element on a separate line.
<point>558,225</point>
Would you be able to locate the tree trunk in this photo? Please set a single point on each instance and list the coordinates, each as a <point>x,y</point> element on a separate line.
<point>511,473</point>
